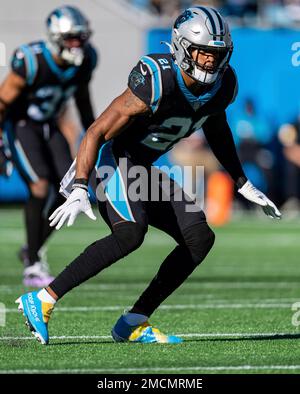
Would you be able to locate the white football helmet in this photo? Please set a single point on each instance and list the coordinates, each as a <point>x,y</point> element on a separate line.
<point>65,24</point>
<point>203,29</point>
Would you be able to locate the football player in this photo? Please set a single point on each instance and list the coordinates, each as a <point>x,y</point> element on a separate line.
<point>43,76</point>
<point>168,97</point>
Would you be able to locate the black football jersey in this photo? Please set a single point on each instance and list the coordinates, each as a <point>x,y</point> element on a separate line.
<point>175,111</point>
<point>48,86</point>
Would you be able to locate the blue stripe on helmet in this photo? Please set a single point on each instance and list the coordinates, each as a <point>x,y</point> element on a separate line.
<point>74,14</point>
<point>222,27</point>
<point>211,19</point>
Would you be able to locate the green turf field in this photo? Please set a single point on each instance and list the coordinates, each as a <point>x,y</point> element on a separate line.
<point>234,313</point>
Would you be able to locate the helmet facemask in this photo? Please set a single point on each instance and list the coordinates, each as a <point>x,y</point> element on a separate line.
<point>73,54</point>
<point>200,72</point>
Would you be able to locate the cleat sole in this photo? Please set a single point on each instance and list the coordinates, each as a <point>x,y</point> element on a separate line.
<point>29,325</point>
<point>39,338</point>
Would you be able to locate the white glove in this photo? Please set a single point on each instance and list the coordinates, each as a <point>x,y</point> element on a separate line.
<point>254,195</point>
<point>78,201</point>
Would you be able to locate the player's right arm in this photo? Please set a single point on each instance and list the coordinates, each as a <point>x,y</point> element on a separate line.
<point>142,95</point>
<point>107,126</point>
<point>139,98</point>
<point>23,71</point>
<point>10,89</point>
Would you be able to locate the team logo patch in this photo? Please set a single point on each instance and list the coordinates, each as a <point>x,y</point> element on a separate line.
<point>187,15</point>
<point>18,59</point>
<point>136,79</point>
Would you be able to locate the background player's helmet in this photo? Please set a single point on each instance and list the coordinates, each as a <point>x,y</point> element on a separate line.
<point>68,32</point>
<point>201,28</point>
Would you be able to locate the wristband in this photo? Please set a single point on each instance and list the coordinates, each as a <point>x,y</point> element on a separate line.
<point>81,183</point>
<point>241,182</point>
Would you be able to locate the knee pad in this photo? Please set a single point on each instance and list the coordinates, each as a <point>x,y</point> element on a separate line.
<point>199,239</point>
<point>129,236</point>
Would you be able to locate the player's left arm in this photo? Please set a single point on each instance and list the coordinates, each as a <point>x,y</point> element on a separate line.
<point>84,105</point>
<point>219,138</point>
<point>82,95</point>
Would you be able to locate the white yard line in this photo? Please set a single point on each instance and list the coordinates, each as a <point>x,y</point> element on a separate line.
<point>200,285</point>
<point>159,369</point>
<point>170,307</point>
<point>187,335</point>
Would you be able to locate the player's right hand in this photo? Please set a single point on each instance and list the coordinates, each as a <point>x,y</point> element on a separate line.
<point>78,201</point>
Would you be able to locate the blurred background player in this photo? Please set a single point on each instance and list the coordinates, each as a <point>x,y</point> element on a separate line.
<point>169,96</point>
<point>289,137</point>
<point>43,76</point>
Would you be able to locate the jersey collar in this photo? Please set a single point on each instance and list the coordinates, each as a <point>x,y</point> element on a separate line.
<point>63,75</point>
<point>195,101</point>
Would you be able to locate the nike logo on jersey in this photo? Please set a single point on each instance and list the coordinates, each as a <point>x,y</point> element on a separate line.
<point>142,70</point>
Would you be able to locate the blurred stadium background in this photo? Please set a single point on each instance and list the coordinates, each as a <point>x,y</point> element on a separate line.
<point>244,279</point>
<point>265,118</point>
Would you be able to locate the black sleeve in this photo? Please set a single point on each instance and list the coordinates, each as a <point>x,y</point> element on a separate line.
<point>90,63</point>
<point>25,64</point>
<point>145,82</point>
<point>220,140</point>
<point>18,63</point>
<point>84,105</point>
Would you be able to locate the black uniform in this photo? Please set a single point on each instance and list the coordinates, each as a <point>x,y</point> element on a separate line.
<point>175,111</point>
<point>39,149</point>
<point>174,114</point>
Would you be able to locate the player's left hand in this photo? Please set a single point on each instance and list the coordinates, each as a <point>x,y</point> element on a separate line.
<point>6,166</point>
<point>78,201</point>
<point>254,195</point>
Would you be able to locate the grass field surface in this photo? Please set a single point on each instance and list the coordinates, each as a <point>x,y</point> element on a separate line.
<point>234,313</point>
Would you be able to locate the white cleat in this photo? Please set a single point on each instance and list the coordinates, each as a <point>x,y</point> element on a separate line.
<point>37,275</point>
<point>36,319</point>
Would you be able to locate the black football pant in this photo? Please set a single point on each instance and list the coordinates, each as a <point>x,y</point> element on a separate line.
<point>40,151</point>
<point>128,219</point>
